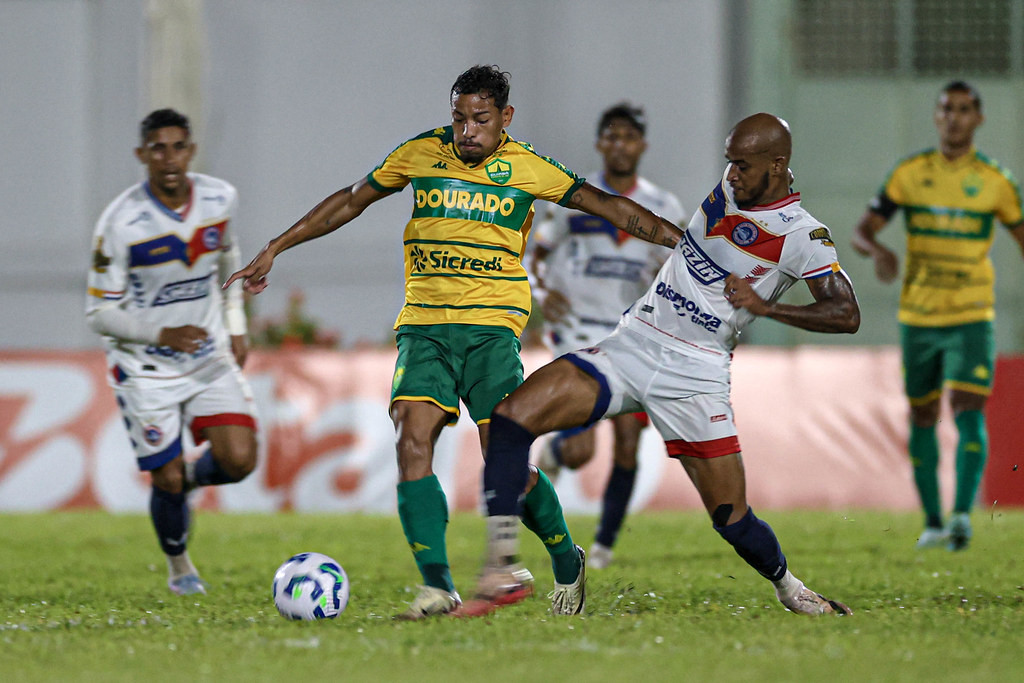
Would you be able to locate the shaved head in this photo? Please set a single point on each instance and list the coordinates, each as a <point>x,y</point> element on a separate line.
<point>763,134</point>
<point>758,150</point>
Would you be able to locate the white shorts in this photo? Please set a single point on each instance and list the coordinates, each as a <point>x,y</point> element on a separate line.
<point>687,399</point>
<point>562,338</point>
<point>156,410</point>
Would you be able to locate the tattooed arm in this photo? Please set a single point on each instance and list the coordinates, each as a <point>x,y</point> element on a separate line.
<point>324,218</point>
<point>835,308</point>
<point>626,215</point>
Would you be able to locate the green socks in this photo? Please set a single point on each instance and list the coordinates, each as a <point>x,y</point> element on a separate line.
<point>971,453</point>
<point>423,509</point>
<point>924,457</point>
<point>542,514</point>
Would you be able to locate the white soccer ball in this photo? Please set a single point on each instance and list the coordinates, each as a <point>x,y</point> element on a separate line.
<point>310,586</point>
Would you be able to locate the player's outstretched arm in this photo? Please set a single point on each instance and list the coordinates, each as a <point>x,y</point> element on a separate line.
<point>324,218</point>
<point>835,308</point>
<point>626,215</point>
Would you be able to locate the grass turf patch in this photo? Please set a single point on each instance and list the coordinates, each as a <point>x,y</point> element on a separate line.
<point>83,596</point>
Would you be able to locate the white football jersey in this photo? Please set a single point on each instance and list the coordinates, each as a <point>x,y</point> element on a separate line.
<point>770,246</point>
<point>162,267</point>
<point>599,268</point>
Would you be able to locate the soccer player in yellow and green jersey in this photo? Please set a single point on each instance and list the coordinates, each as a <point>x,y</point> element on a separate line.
<point>951,199</point>
<point>467,299</point>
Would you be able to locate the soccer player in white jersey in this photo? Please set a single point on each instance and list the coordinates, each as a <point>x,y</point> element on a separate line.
<point>748,243</point>
<point>586,274</point>
<point>175,342</point>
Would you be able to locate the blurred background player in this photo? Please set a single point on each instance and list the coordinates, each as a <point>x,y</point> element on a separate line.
<point>586,274</point>
<point>175,342</point>
<point>951,197</point>
<point>467,300</point>
<point>670,355</point>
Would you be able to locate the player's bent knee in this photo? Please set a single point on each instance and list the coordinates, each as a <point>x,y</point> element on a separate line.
<point>242,465</point>
<point>169,477</point>
<point>575,457</point>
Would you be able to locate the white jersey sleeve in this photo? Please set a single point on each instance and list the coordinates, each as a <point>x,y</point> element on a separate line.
<point>771,247</point>
<point>230,260</point>
<point>108,284</point>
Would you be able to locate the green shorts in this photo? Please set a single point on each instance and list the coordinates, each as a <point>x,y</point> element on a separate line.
<point>961,356</point>
<point>441,364</point>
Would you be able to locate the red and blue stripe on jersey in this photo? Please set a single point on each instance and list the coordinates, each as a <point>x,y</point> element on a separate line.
<point>170,247</point>
<point>740,231</point>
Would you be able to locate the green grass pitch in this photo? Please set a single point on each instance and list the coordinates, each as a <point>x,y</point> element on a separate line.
<point>83,598</point>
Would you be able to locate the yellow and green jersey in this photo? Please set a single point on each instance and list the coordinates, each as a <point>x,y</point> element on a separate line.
<point>950,209</point>
<point>469,226</point>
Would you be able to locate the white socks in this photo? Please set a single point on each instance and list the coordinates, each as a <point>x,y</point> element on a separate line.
<point>788,586</point>
<point>180,565</point>
<point>502,540</point>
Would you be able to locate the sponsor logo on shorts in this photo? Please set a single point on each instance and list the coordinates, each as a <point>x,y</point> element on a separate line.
<point>686,307</point>
<point>185,290</point>
<point>152,434</point>
<point>718,418</point>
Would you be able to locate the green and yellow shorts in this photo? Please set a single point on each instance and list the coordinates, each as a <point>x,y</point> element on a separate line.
<point>960,356</point>
<point>478,364</point>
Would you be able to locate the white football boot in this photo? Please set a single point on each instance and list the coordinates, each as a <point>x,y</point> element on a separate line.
<point>430,601</point>
<point>569,598</point>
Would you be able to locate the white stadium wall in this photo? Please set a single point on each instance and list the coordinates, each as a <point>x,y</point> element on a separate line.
<point>303,98</point>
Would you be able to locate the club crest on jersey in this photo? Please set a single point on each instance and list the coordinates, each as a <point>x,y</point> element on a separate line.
<point>211,238</point>
<point>971,185</point>
<point>153,434</point>
<point>499,171</point>
<point>744,234</point>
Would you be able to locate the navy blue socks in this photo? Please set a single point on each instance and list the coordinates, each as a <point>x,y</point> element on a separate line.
<point>506,470</point>
<point>169,512</point>
<point>616,499</point>
<point>756,543</point>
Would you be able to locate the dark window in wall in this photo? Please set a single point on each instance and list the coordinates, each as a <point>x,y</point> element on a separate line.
<point>909,37</point>
<point>962,36</point>
<point>846,37</point>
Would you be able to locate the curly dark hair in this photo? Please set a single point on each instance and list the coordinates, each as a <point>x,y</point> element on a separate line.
<point>163,118</point>
<point>486,81</point>
<point>623,111</point>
